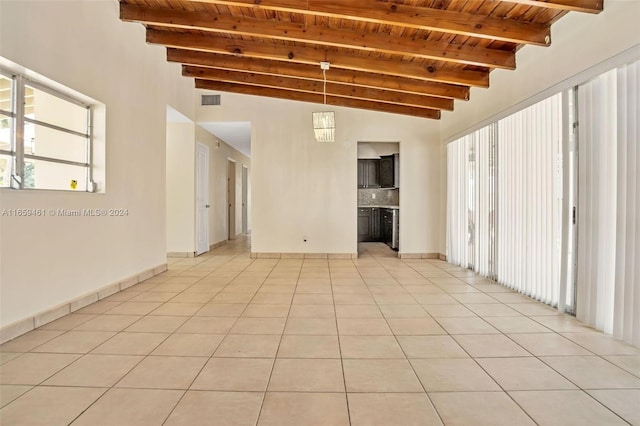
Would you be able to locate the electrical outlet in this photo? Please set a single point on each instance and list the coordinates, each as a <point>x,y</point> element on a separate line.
<point>373,196</point>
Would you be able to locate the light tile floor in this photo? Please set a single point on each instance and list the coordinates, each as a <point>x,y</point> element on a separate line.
<point>224,339</point>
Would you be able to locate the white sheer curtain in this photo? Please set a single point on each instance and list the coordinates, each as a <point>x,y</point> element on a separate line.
<point>470,201</point>
<point>608,288</point>
<point>457,202</point>
<point>529,200</point>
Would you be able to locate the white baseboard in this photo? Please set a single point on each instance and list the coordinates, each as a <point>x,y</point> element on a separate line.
<point>180,254</point>
<point>18,328</point>
<point>419,255</point>
<point>255,255</point>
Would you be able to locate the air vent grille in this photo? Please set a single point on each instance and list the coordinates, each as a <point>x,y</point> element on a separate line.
<point>210,99</point>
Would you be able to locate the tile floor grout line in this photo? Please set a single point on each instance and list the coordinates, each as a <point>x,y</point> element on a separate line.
<point>335,315</point>
<point>502,389</point>
<point>88,407</point>
<point>155,348</point>
<point>578,388</point>
<point>275,357</point>
<point>395,269</point>
<point>417,377</point>
<point>195,377</point>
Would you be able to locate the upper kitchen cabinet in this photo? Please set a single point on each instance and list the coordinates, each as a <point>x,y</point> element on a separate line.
<point>368,173</point>
<point>389,171</point>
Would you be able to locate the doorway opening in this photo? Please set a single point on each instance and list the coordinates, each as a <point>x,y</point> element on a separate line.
<point>378,197</point>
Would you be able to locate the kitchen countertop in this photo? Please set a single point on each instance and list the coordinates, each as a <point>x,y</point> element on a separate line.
<point>380,206</point>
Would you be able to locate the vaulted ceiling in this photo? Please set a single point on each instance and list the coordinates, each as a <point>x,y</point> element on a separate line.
<point>413,57</point>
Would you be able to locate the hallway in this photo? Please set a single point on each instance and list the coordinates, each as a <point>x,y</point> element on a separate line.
<point>224,339</point>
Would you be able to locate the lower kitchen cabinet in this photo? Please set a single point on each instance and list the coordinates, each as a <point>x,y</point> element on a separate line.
<point>368,224</point>
<point>375,224</point>
<point>364,224</point>
<point>387,226</point>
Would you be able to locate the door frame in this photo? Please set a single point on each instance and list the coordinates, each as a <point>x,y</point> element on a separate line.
<point>570,169</point>
<point>202,199</point>
<point>231,199</point>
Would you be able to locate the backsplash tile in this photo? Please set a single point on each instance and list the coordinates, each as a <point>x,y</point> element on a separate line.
<point>384,196</point>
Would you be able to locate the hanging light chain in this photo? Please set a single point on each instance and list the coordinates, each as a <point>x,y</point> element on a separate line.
<point>324,88</point>
<point>324,66</point>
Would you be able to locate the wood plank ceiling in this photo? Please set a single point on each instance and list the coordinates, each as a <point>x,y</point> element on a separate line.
<point>413,57</point>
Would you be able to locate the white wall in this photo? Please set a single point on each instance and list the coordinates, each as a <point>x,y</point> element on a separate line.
<point>83,45</point>
<point>180,199</point>
<point>304,188</point>
<point>368,150</point>
<point>219,153</point>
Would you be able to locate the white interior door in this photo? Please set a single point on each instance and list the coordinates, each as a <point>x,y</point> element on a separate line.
<point>245,199</point>
<point>202,199</point>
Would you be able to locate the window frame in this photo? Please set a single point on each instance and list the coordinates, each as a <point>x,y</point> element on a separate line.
<point>18,120</point>
<point>11,115</point>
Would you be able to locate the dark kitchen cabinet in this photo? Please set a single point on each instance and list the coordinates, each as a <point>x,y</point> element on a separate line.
<point>390,171</point>
<point>387,171</point>
<point>387,226</point>
<point>364,224</point>
<point>375,224</point>
<point>368,224</point>
<point>368,173</point>
<point>385,231</point>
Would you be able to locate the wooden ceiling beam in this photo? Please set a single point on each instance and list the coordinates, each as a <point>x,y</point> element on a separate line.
<point>310,55</point>
<point>389,13</point>
<point>352,78</point>
<point>336,37</point>
<point>316,98</point>
<point>586,6</point>
<point>317,86</point>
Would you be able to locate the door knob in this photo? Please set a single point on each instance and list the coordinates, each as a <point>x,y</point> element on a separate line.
<point>207,206</point>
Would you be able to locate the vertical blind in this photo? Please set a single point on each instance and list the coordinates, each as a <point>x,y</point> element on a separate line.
<point>504,202</point>
<point>608,287</point>
<point>529,183</point>
<point>470,201</point>
<point>457,201</point>
<point>483,208</point>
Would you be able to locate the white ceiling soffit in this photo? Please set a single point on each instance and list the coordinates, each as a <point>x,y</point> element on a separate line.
<point>235,133</point>
<point>173,116</point>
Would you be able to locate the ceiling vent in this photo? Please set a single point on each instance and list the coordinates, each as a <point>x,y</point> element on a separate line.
<point>210,99</point>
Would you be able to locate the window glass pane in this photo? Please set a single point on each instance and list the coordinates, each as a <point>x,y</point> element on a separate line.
<point>5,132</point>
<point>47,175</point>
<point>5,170</point>
<point>6,97</point>
<point>45,142</point>
<point>51,109</point>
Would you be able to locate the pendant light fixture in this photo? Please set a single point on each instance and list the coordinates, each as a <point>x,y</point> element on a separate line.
<point>324,122</point>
